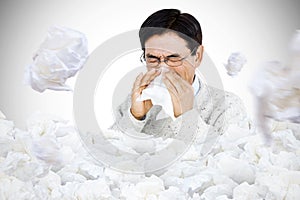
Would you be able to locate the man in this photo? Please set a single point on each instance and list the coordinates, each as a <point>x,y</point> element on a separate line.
<point>173,40</point>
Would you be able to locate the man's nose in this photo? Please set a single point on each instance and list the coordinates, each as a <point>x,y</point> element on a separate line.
<point>164,67</point>
<point>163,63</point>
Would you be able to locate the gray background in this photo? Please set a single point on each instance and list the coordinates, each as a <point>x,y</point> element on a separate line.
<point>260,29</point>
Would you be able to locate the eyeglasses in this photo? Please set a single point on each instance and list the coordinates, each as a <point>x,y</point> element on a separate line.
<point>172,61</point>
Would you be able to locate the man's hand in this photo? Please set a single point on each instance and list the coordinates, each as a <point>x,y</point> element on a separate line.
<point>182,93</point>
<point>140,108</point>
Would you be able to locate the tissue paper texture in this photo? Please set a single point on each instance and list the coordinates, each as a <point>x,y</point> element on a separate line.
<point>62,53</point>
<point>276,88</point>
<point>235,63</point>
<point>2,116</point>
<point>159,95</point>
<point>239,167</point>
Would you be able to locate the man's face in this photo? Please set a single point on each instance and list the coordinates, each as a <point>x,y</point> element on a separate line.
<point>171,45</point>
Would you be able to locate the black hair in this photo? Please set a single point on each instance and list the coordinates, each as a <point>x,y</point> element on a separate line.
<point>185,25</point>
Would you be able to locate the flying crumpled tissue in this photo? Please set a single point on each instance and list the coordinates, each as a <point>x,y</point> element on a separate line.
<point>235,63</point>
<point>276,88</point>
<point>2,116</point>
<point>63,52</point>
<point>158,93</point>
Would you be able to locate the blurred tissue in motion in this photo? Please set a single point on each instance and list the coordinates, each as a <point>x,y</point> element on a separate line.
<point>277,89</point>
<point>295,53</point>
<point>159,95</point>
<point>60,56</point>
<point>235,63</point>
<point>2,116</point>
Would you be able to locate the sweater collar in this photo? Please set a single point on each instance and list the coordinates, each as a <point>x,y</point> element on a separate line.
<point>196,84</point>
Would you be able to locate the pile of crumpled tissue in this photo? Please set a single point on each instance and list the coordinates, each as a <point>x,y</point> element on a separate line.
<point>48,161</point>
<point>60,56</point>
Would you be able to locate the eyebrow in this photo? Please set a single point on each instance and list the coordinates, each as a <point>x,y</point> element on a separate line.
<point>148,55</point>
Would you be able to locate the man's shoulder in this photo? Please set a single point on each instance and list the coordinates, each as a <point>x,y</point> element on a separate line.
<point>222,106</point>
<point>220,99</point>
<point>218,95</point>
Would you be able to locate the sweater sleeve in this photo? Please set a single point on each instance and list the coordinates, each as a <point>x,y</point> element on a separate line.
<point>184,127</point>
<point>125,121</point>
<point>229,110</point>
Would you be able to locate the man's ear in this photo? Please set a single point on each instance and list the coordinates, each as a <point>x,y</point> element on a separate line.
<point>199,55</point>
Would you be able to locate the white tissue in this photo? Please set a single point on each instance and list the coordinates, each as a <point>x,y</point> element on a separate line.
<point>93,189</point>
<point>262,172</point>
<point>276,88</point>
<point>235,63</point>
<point>295,60</point>
<point>216,191</point>
<point>159,95</point>
<point>238,170</point>
<point>172,193</point>
<point>295,43</point>
<point>22,166</point>
<point>151,186</point>
<point>2,116</point>
<point>60,56</point>
<point>293,192</point>
<point>246,191</point>
<point>277,92</point>
<point>13,188</point>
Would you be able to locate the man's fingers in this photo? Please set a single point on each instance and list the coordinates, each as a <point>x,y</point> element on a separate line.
<point>157,73</point>
<point>170,86</point>
<point>137,83</point>
<point>177,81</point>
<point>138,79</point>
<point>143,80</point>
<point>149,76</point>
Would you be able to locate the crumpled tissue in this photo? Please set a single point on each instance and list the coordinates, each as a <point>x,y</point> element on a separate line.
<point>246,191</point>
<point>235,63</point>
<point>13,188</point>
<point>294,48</point>
<point>93,189</point>
<point>60,56</point>
<point>216,191</point>
<point>2,116</point>
<point>158,93</point>
<point>151,186</point>
<point>172,193</point>
<point>16,163</point>
<point>293,191</point>
<point>243,169</point>
<point>238,170</point>
<point>276,88</point>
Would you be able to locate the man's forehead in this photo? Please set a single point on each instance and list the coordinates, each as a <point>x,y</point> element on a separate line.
<point>160,51</point>
<point>166,43</point>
